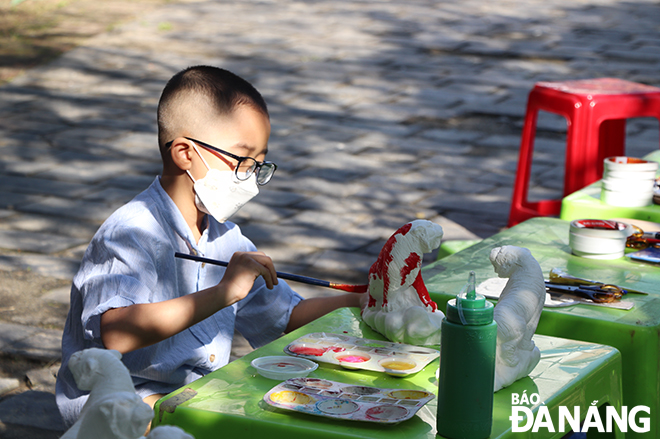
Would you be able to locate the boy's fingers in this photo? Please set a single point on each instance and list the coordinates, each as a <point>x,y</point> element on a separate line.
<point>267,269</point>
<point>265,273</point>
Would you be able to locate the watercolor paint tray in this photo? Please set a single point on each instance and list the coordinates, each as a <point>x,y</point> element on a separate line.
<point>331,399</point>
<point>396,359</point>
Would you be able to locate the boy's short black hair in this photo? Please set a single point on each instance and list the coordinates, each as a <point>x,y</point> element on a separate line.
<point>223,89</point>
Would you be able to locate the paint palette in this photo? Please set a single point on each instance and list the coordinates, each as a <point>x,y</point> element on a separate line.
<point>346,401</point>
<point>395,359</point>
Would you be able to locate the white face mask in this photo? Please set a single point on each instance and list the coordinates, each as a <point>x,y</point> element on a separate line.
<point>220,194</point>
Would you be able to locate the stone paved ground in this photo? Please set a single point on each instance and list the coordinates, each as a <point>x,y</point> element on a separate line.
<point>382,112</point>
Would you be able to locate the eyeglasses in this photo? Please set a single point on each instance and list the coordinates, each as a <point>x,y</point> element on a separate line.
<point>245,166</point>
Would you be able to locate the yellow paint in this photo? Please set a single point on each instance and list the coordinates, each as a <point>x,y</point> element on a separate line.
<point>408,394</point>
<point>289,397</point>
<point>398,365</point>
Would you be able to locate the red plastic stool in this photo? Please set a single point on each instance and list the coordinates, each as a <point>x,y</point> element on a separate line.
<point>596,111</point>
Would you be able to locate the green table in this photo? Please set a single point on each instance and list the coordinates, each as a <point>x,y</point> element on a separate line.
<point>228,402</point>
<point>635,333</point>
<point>586,203</point>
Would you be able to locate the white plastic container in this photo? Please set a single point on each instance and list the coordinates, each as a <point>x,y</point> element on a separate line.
<point>598,239</point>
<point>644,186</point>
<point>626,199</point>
<point>628,181</point>
<point>629,164</point>
<point>283,367</point>
<point>627,175</point>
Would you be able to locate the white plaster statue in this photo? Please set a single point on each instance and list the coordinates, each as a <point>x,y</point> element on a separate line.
<point>517,313</point>
<point>168,432</point>
<point>399,305</point>
<point>113,410</point>
<point>101,372</point>
<point>117,415</point>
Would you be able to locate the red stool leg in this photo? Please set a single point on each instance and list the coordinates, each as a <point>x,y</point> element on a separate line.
<point>519,212</point>
<point>581,148</point>
<point>612,137</point>
<point>541,98</point>
<point>611,142</point>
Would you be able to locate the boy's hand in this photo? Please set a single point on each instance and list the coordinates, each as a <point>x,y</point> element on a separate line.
<point>243,269</point>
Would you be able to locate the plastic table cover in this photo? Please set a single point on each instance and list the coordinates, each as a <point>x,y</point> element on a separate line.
<point>228,402</point>
<point>635,333</point>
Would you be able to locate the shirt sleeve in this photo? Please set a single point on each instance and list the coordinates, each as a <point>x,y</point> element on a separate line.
<point>117,271</point>
<point>263,316</point>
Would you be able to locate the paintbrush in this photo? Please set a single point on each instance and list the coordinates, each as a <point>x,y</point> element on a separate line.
<point>287,276</point>
<point>558,276</point>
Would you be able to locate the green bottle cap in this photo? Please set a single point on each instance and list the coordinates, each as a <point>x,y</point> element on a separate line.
<point>470,308</point>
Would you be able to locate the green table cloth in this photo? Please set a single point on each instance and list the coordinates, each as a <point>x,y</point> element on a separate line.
<point>635,333</point>
<point>228,402</point>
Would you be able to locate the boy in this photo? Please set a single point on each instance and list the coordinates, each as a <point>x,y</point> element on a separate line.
<point>173,319</point>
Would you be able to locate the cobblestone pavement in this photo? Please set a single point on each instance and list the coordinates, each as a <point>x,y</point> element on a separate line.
<point>382,112</point>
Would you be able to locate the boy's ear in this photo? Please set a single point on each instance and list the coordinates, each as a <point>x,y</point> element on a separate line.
<point>181,153</point>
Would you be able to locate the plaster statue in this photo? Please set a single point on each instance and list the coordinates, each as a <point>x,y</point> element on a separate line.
<point>517,313</point>
<point>113,410</point>
<point>399,305</point>
<point>117,415</point>
<point>168,432</point>
<point>101,372</point>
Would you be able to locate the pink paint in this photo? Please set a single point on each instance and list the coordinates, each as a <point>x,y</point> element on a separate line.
<point>352,359</point>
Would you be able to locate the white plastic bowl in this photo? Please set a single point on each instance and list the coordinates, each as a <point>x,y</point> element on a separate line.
<point>624,199</point>
<point>591,238</point>
<point>594,245</point>
<point>632,164</point>
<point>281,367</point>
<point>601,228</point>
<point>629,186</point>
<point>629,175</point>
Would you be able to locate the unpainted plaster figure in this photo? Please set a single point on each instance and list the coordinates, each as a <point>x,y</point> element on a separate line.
<point>399,305</point>
<point>168,432</point>
<point>113,409</point>
<point>117,415</point>
<point>517,313</point>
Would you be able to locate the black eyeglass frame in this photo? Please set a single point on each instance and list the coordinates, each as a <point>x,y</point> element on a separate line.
<point>257,165</point>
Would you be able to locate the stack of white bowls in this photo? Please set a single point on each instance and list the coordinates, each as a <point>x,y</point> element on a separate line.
<point>628,181</point>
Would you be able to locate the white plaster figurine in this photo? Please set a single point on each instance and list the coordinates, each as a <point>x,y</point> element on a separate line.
<point>113,409</point>
<point>399,305</point>
<point>168,432</point>
<point>517,313</point>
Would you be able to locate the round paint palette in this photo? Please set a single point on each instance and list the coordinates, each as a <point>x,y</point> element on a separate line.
<point>396,359</point>
<point>283,367</point>
<point>346,401</point>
